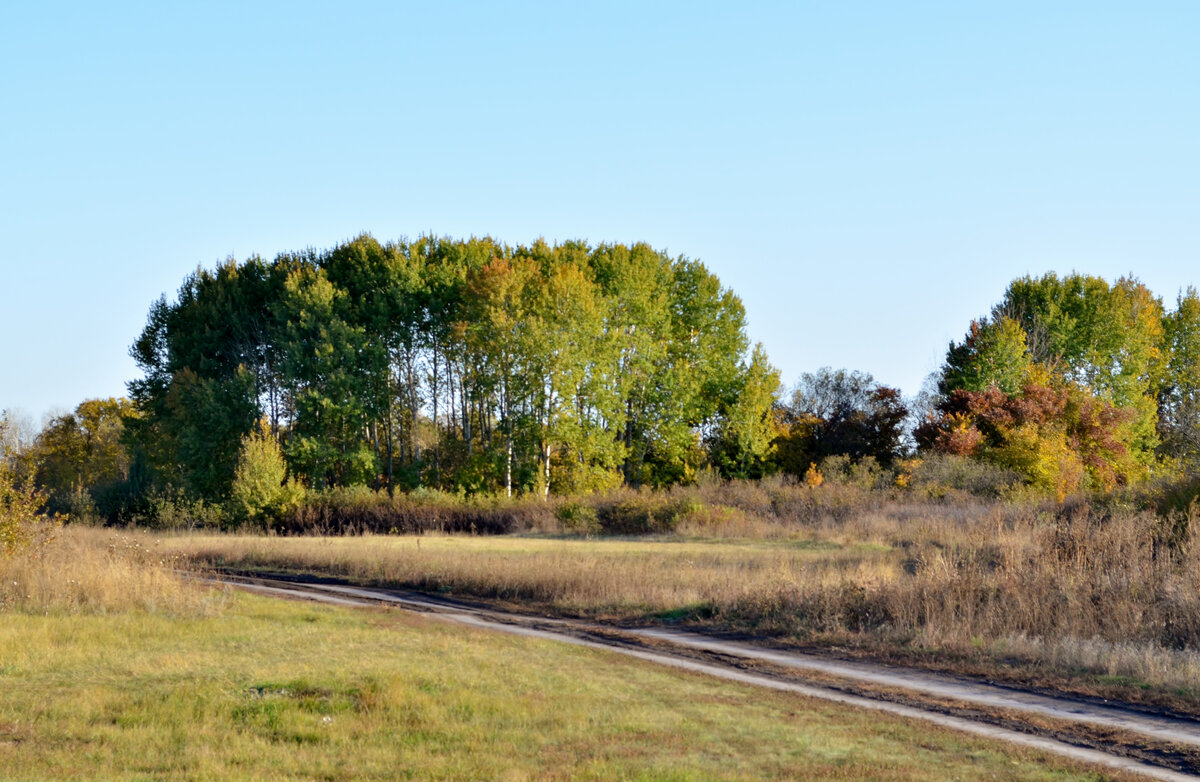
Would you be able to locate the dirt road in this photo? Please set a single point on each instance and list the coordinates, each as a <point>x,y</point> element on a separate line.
<point>1116,736</point>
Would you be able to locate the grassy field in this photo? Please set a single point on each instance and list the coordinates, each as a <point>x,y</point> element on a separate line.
<point>217,685</point>
<point>1084,598</point>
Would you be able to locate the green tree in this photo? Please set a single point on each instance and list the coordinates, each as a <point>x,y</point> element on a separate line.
<point>573,362</point>
<point>1179,395</point>
<point>83,453</point>
<point>993,354</point>
<point>261,490</point>
<point>1106,339</point>
<point>497,311</point>
<point>211,370</point>
<point>465,364</point>
<point>743,442</point>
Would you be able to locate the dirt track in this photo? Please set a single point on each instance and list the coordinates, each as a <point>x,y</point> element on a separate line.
<point>1113,735</point>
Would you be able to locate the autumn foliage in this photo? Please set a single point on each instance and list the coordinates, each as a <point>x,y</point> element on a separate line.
<point>1057,435</point>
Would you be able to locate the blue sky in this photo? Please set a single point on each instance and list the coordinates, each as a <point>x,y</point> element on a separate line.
<point>868,177</point>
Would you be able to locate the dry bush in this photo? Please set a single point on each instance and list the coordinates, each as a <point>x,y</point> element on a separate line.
<point>87,570</point>
<point>360,511</point>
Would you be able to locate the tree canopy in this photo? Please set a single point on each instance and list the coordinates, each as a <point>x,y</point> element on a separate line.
<point>464,364</point>
<point>1073,382</point>
<point>834,413</point>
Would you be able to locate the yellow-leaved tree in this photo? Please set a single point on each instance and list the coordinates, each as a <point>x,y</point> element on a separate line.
<point>262,491</point>
<point>21,503</point>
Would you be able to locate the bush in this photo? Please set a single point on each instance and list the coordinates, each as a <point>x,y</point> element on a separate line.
<point>642,512</point>
<point>934,474</point>
<point>578,517</point>
<point>262,492</point>
<point>176,510</point>
<point>21,503</point>
<point>359,510</point>
<point>865,474</point>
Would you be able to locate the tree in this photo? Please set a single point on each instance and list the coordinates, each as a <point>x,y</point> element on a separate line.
<point>840,413</point>
<point>743,443</point>
<point>327,365</point>
<point>83,453</point>
<point>21,502</point>
<point>573,362</point>
<point>1054,433</point>
<point>211,370</point>
<point>261,489</point>
<point>1179,394</point>
<point>1105,339</point>
<point>466,364</point>
<point>994,354</point>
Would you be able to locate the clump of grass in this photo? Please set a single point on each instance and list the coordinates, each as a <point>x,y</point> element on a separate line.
<point>95,571</point>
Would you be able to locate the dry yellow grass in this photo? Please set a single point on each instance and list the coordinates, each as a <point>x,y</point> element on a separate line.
<point>1068,591</point>
<point>96,571</point>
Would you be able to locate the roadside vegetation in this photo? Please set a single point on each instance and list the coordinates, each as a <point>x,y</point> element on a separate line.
<point>1077,595</point>
<point>270,390</point>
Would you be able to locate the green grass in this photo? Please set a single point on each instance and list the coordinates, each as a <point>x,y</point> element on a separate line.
<point>274,689</point>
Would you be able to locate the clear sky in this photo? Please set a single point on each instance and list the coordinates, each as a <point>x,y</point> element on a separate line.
<point>867,176</point>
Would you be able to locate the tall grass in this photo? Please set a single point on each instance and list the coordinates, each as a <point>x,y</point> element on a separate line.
<point>1074,585</point>
<point>95,571</point>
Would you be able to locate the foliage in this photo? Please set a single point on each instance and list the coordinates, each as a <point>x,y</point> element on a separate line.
<point>456,364</point>
<point>1106,339</point>
<point>934,473</point>
<point>1074,383</point>
<point>1179,394</point>
<point>262,492</point>
<point>21,503</point>
<point>81,455</point>
<point>992,355</point>
<point>743,444</point>
<point>1060,438</point>
<point>866,473</point>
<point>839,412</point>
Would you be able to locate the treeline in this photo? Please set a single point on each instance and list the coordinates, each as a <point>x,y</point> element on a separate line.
<point>463,365</point>
<point>270,389</point>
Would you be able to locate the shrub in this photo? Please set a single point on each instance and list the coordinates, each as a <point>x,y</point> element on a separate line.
<point>20,510</point>
<point>936,473</point>
<point>261,491</point>
<point>865,473</point>
<point>175,509</point>
<point>360,510</point>
<point>578,517</point>
<point>643,512</point>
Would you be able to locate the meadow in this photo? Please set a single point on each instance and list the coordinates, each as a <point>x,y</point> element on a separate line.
<point>1101,600</point>
<point>120,668</point>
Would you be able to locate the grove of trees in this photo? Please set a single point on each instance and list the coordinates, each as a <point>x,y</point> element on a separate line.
<point>477,367</point>
<point>467,365</point>
<point>1075,384</point>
